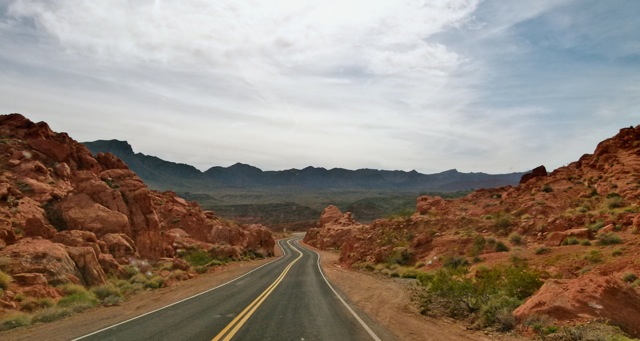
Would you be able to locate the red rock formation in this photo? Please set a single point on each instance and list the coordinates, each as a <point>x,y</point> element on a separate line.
<point>537,172</point>
<point>335,228</point>
<point>587,298</point>
<point>67,216</point>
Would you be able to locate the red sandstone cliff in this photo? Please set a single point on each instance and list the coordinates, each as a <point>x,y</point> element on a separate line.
<point>67,216</point>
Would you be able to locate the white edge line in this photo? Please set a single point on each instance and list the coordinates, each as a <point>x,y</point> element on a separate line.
<point>184,299</point>
<point>362,323</point>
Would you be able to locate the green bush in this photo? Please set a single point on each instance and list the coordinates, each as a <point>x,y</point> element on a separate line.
<point>5,280</point>
<point>571,240</point>
<point>615,202</point>
<point>108,294</point>
<point>77,298</point>
<point>52,314</point>
<point>609,239</point>
<point>501,247</point>
<point>542,250</point>
<point>585,242</point>
<point>629,277</point>
<point>547,188</point>
<point>488,298</point>
<point>14,320</point>
<point>197,257</point>
<point>515,238</point>
<point>594,256</point>
<point>154,282</point>
<point>478,246</point>
<point>455,262</point>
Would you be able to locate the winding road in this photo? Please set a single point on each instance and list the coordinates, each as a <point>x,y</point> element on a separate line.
<point>286,299</point>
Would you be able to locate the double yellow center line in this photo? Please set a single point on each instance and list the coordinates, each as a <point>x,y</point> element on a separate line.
<point>232,328</point>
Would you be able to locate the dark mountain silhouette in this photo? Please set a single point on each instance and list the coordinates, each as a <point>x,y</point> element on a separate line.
<point>167,175</point>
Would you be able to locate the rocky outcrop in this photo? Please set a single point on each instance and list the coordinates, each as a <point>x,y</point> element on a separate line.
<point>67,216</point>
<point>335,229</point>
<point>537,172</point>
<point>587,298</point>
<point>40,256</point>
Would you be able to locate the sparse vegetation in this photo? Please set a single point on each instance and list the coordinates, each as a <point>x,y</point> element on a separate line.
<point>542,250</point>
<point>594,256</point>
<point>629,277</point>
<point>571,240</point>
<point>609,239</point>
<point>14,320</point>
<point>515,238</point>
<point>547,188</point>
<point>77,298</point>
<point>501,247</point>
<point>5,280</point>
<point>488,298</point>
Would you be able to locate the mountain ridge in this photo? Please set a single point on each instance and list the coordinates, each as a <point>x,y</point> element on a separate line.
<point>171,175</point>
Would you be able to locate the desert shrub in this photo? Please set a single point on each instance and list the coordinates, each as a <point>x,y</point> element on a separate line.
<point>515,238</point>
<point>585,242</point>
<point>547,188</point>
<point>139,278</point>
<point>154,282</point>
<point>616,252</point>
<point>592,331</point>
<point>402,256</point>
<point>629,277</point>
<point>108,294</point>
<point>488,298</point>
<point>542,250</point>
<point>14,320</point>
<point>498,312</point>
<point>571,240</point>
<point>197,257</point>
<point>130,271</point>
<point>31,304</point>
<point>477,246</point>
<point>594,256</point>
<point>609,239</point>
<point>127,288</point>
<point>77,298</point>
<point>614,201</point>
<point>409,273</point>
<point>502,223</point>
<point>5,280</point>
<point>596,226</point>
<point>201,269</point>
<point>501,247</point>
<point>52,314</point>
<point>455,262</point>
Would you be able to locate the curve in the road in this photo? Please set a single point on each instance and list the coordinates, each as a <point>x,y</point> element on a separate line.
<point>240,320</point>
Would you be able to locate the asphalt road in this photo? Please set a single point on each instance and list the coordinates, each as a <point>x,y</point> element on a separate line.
<point>287,299</point>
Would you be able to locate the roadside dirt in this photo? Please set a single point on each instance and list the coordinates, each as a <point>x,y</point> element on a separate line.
<point>388,301</point>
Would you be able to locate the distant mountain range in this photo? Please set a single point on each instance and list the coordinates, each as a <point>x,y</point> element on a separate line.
<point>166,175</point>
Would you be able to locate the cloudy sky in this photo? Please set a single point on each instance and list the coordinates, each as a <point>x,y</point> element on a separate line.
<point>493,86</point>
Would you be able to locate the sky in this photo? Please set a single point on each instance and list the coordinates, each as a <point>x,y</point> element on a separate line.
<point>480,86</point>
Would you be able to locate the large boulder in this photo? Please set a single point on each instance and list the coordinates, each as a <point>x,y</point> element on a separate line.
<point>80,212</point>
<point>40,256</point>
<point>329,215</point>
<point>587,298</point>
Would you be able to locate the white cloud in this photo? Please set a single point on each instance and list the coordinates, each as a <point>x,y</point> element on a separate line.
<point>429,85</point>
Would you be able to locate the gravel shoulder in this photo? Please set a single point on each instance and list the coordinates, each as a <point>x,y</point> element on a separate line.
<point>388,301</point>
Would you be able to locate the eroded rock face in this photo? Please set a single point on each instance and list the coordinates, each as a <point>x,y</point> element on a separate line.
<point>537,172</point>
<point>336,228</point>
<point>586,298</point>
<point>40,256</point>
<point>67,216</point>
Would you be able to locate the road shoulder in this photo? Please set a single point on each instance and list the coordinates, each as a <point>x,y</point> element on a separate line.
<point>388,302</point>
